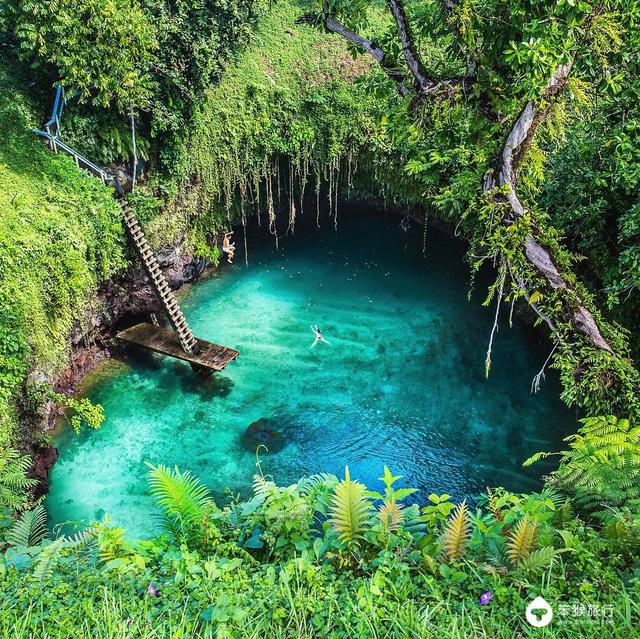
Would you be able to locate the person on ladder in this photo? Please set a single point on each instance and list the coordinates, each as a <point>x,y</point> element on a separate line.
<point>228,246</point>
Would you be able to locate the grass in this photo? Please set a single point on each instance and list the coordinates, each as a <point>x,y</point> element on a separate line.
<point>294,613</point>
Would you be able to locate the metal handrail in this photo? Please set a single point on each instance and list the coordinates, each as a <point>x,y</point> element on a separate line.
<point>80,159</point>
<point>56,113</point>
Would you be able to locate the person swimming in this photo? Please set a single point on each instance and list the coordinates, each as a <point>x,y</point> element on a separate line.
<point>228,247</point>
<point>319,336</point>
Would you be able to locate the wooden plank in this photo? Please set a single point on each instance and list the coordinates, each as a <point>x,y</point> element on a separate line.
<point>161,340</point>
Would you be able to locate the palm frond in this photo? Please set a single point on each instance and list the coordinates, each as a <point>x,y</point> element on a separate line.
<point>349,510</point>
<point>457,531</point>
<point>29,529</point>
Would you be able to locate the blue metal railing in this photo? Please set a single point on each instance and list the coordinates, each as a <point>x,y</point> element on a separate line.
<point>56,143</point>
<point>56,113</point>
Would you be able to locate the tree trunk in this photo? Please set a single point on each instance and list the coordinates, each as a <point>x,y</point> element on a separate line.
<point>504,175</point>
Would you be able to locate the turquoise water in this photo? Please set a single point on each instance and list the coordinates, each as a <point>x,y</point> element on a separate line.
<point>401,382</point>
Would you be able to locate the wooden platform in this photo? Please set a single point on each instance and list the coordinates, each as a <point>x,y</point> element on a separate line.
<point>162,340</point>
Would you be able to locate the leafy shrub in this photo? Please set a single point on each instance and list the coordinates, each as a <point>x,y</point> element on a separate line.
<point>277,565</point>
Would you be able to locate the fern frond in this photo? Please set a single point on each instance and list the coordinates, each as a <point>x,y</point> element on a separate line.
<point>390,515</point>
<point>262,487</point>
<point>493,506</point>
<point>538,560</point>
<point>30,528</point>
<point>309,484</point>
<point>14,479</point>
<point>48,558</point>
<point>602,465</point>
<point>182,497</point>
<point>430,563</point>
<point>521,541</point>
<point>457,531</point>
<point>349,510</point>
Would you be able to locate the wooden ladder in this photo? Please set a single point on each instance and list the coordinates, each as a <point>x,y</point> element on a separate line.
<point>156,277</point>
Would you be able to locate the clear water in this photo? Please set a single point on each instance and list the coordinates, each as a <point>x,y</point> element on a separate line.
<point>401,382</point>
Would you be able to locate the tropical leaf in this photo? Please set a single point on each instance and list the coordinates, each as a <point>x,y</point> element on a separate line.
<point>522,539</point>
<point>349,510</point>
<point>182,497</point>
<point>539,560</point>
<point>457,531</point>
<point>390,515</point>
<point>30,528</point>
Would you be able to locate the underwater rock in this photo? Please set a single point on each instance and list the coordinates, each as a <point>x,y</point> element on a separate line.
<point>263,431</point>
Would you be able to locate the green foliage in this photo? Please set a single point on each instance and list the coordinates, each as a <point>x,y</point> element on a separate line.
<point>82,411</point>
<point>602,466</point>
<point>14,481</point>
<point>593,185</point>
<point>183,499</point>
<point>99,584</point>
<point>522,539</point>
<point>456,532</point>
<point>285,117</point>
<point>349,511</point>
<point>102,49</point>
<point>61,238</point>
<point>195,39</point>
<point>29,529</point>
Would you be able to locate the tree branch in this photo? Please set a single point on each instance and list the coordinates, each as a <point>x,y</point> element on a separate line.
<point>424,84</point>
<point>369,47</point>
<point>408,44</point>
<point>504,175</point>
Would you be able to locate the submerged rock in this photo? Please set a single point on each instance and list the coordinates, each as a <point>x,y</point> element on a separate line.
<point>263,431</point>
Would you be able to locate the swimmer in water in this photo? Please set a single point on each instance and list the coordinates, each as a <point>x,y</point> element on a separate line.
<point>228,247</point>
<point>319,336</point>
